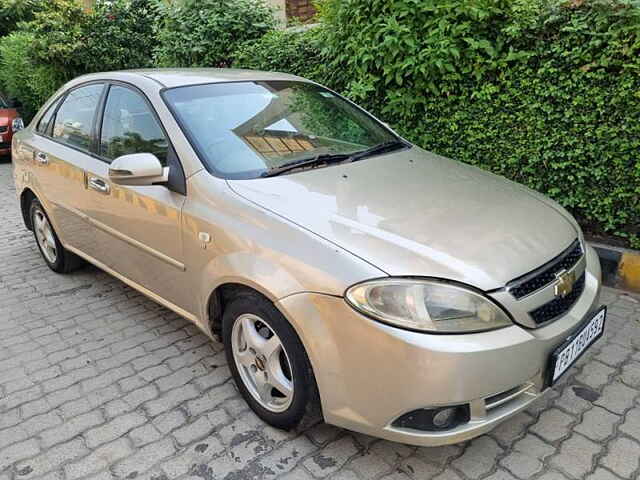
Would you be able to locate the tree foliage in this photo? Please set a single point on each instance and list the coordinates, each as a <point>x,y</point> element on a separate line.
<point>13,12</point>
<point>115,34</point>
<point>290,51</point>
<point>20,77</point>
<point>204,33</point>
<point>63,41</point>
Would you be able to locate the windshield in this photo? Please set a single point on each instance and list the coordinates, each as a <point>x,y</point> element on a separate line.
<point>3,103</point>
<point>244,129</point>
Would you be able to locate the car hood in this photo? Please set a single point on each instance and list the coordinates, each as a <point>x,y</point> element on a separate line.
<point>413,213</point>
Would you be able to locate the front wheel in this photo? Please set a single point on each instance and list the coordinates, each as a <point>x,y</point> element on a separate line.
<point>268,362</point>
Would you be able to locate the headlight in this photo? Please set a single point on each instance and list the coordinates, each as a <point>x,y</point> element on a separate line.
<point>17,125</point>
<point>427,305</point>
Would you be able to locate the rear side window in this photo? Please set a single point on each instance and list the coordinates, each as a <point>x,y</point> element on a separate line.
<point>74,121</point>
<point>43,124</point>
<point>129,126</point>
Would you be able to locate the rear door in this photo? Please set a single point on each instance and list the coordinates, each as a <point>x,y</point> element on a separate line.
<point>143,222</point>
<point>62,155</point>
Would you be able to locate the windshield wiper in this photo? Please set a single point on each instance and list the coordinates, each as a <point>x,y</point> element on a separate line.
<point>329,158</point>
<point>324,158</point>
<point>378,149</point>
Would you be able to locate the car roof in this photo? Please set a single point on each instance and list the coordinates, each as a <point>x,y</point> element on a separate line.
<point>178,77</point>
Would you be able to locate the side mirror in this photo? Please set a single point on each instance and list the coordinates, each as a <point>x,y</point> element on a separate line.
<point>138,169</point>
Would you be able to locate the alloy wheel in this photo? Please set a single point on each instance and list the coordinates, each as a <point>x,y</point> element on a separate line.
<point>262,362</point>
<point>44,235</point>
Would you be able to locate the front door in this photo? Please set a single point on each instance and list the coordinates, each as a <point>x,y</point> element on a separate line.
<point>143,222</point>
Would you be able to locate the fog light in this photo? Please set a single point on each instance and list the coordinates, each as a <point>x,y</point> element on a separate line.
<point>433,419</point>
<point>444,417</point>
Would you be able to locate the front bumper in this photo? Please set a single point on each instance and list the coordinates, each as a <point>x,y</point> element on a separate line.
<point>369,373</point>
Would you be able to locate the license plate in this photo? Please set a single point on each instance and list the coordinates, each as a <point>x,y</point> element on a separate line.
<point>567,353</point>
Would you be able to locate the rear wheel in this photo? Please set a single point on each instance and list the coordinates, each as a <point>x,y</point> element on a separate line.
<point>268,362</point>
<point>58,259</point>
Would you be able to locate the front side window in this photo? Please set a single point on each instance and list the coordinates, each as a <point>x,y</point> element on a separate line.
<point>74,121</point>
<point>245,129</point>
<point>129,126</point>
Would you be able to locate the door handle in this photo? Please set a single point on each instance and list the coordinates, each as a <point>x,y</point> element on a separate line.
<point>42,158</point>
<point>99,185</point>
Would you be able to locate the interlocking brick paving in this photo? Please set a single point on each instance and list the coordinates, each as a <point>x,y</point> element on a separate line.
<point>98,382</point>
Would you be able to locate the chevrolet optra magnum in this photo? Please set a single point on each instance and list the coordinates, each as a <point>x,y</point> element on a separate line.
<point>347,271</point>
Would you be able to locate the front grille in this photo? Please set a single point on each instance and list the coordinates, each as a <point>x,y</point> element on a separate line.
<point>4,129</point>
<point>543,276</point>
<point>558,306</point>
<point>4,145</point>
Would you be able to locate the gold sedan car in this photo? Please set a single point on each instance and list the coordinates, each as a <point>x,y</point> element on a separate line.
<point>408,296</point>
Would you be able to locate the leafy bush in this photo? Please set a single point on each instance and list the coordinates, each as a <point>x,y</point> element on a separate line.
<point>114,35</point>
<point>121,34</point>
<point>546,93</point>
<point>289,51</point>
<point>12,12</point>
<point>204,33</point>
<point>426,48</point>
<point>63,41</point>
<point>20,77</point>
<point>59,37</point>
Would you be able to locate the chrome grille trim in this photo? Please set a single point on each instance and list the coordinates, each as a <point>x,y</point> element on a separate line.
<point>546,274</point>
<point>504,397</point>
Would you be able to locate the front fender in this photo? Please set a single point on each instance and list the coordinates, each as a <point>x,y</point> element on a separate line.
<point>249,245</point>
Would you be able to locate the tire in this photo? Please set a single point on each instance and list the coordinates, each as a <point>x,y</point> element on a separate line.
<point>302,406</point>
<point>57,258</point>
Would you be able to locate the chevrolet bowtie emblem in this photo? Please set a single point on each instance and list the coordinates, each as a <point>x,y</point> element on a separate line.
<point>564,283</point>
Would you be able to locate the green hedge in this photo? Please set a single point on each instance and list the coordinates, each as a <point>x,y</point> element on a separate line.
<point>22,78</point>
<point>296,52</point>
<point>12,12</point>
<point>545,93</point>
<point>204,33</point>
<point>63,41</point>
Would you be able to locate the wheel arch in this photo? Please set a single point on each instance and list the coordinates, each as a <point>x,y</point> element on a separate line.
<point>225,292</point>
<point>220,297</point>
<point>227,275</point>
